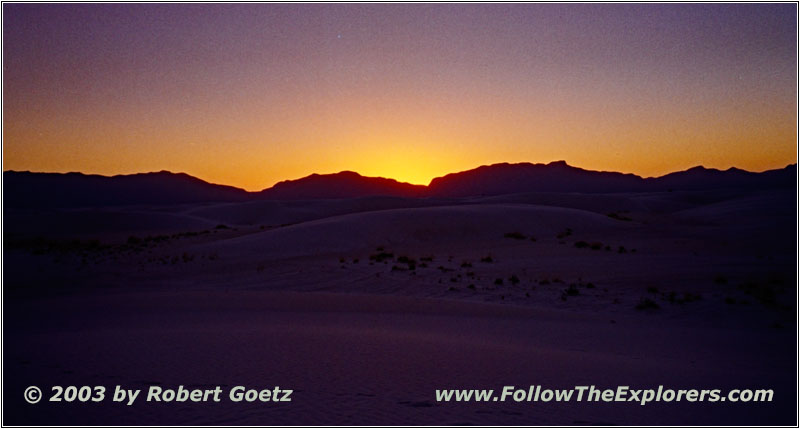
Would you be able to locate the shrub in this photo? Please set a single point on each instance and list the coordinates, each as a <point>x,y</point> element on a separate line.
<point>515,235</point>
<point>565,233</point>
<point>764,294</point>
<point>647,304</point>
<point>381,257</point>
<point>412,264</point>
<point>618,216</point>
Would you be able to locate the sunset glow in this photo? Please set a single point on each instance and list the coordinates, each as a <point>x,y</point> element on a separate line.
<point>248,95</point>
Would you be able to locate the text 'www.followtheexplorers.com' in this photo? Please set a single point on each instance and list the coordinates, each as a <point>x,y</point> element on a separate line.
<point>594,394</point>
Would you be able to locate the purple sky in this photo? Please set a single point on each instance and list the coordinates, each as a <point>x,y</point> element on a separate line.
<point>249,94</point>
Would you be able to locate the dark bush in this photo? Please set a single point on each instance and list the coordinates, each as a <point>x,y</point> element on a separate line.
<point>647,304</point>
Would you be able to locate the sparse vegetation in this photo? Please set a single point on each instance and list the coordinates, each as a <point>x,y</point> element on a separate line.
<point>765,294</point>
<point>647,304</point>
<point>686,297</point>
<point>411,263</point>
<point>572,290</point>
<point>617,216</point>
<point>381,256</point>
<point>596,245</point>
<point>565,233</point>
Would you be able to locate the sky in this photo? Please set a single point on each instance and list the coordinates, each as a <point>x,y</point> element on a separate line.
<point>252,94</point>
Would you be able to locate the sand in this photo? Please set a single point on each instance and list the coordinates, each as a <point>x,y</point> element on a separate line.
<point>304,295</point>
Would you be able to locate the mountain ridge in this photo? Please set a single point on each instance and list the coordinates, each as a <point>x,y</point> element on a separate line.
<point>75,189</point>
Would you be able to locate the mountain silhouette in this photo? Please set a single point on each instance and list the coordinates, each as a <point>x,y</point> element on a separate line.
<point>711,178</point>
<point>345,184</point>
<point>498,179</point>
<point>27,189</point>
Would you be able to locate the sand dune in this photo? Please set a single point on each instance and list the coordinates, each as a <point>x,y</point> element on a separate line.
<point>453,226</point>
<point>366,360</point>
<point>366,306</point>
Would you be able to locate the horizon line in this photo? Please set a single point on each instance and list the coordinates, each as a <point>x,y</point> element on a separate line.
<point>564,162</point>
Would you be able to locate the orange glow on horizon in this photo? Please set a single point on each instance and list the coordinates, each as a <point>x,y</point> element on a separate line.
<point>407,92</point>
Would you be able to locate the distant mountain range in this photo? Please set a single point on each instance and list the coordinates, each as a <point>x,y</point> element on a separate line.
<point>346,184</point>
<point>26,189</point>
<point>558,176</point>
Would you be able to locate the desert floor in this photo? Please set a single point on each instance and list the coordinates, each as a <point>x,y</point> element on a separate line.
<point>364,307</point>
